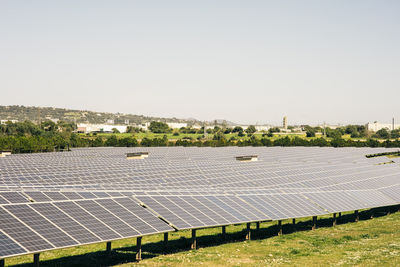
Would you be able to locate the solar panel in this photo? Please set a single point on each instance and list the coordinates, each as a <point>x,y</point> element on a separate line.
<point>3,200</point>
<point>202,207</point>
<point>14,197</point>
<point>165,213</point>
<point>228,209</point>
<point>91,194</point>
<point>66,223</point>
<point>187,205</point>
<point>40,225</point>
<point>372,198</point>
<point>8,247</point>
<point>144,214</point>
<point>336,201</point>
<point>244,208</point>
<point>134,215</point>
<point>72,195</point>
<point>38,196</point>
<point>55,196</point>
<point>22,233</point>
<point>90,222</point>
<point>393,192</point>
<point>180,211</point>
<point>108,218</point>
<point>273,212</point>
<point>223,211</point>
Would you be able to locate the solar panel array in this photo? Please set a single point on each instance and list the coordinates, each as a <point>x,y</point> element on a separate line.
<point>57,200</point>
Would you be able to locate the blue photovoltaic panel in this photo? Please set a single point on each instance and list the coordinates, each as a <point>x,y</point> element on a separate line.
<point>21,233</point>
<point>84,218</point>
<point>89,194</point>
<point>14,197</point>
<point>9,247</point>
<point>66,223</point>
<point>42,226</point>
<point>108,218</point>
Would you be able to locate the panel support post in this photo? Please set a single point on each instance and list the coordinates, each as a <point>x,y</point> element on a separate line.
<point>314,222</point>
<point>334,220</point>
<point>139,248</point>
<point>388,211</point>
<point>194,245</point>
<point>108,248</point>
<point>357,217</point>
<point>371,213</point>
<point>248,232</point>
<point>224,232</point>
<point>2,264</point>
<point>36,259</point>
<point>280,232</point>
<point>165,243</point>
<point>258,225</point>
<point>294,222</point>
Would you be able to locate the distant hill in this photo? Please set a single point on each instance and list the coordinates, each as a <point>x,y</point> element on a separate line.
<point>22,113</point>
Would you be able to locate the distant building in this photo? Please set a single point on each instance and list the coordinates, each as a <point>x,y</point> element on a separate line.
<point>260,128</point>
<point>89,128</point>
<point>285,123</point>
<point>51,119</point>
<point>176,125</point>
<point>196,126</point>
<point>144,126</point>
<point>375,126</point>
<point>110,121</point>
<point>5,121</point>
<point>331,126</point>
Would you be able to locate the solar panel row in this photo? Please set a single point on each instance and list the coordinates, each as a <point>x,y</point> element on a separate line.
<point>35,227</point>
<point>54,200</point>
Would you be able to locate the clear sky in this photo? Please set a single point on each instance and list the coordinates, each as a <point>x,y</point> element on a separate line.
<point>244,61</point>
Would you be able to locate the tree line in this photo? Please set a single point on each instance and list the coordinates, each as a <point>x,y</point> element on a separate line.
<point>27,137</point>
<point>33,144</point>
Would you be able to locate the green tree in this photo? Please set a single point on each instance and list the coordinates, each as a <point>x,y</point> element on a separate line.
<point>111,141</point>
<point>251,129</point>
<point>159,127</point>
<point>128,142</point>
<point>310,133</point>
<point>274,130</point>
<point>237,129</point>
<point>395,133</point>
<point>334,133</point>
<point>383,133</point>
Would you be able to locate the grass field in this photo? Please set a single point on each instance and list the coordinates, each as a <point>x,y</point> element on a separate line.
<point>369,242</point>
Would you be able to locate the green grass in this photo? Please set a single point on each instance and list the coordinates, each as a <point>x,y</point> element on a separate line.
<point>369,242</point>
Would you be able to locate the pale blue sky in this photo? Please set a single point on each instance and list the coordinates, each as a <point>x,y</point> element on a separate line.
<point>245,61</point>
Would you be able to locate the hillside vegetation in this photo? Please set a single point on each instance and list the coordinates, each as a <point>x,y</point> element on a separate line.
<point>22,113</point>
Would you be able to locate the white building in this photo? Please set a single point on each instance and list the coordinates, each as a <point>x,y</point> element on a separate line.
<point>260,128</point>
<point>375,126</point>
<point>144,126</point>
<point>177,125</point>
<point>5,121</point>
<point>88,128</point>
<point>285,123</point>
